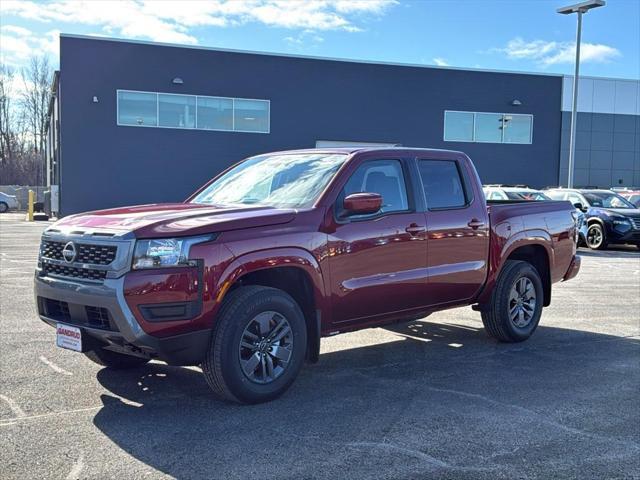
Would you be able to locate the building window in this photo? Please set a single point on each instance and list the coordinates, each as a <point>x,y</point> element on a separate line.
<point>215,113</point>
<point>483,127</point>
<point>169,110</point>
<point>488,128</point>
<point>458,126</point>
<point>251,115</point>
<point>517,128</point>
<point>178,111</point>
<point>137,108</point>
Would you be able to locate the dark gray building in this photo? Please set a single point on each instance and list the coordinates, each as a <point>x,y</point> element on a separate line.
<point>137,122</point>
<point>607,132</point>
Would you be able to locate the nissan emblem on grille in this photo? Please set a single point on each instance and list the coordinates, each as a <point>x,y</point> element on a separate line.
<point>69,252</point>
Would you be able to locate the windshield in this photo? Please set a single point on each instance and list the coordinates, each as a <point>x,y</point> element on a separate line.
<point>606,200</point>
<point>285,180</point>
<point>527,195</point>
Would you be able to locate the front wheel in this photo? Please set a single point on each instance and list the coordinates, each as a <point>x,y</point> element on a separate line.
<point>4,207</point>
<point>516,303</point>
<point>596,239</point>
<point>258,345</point>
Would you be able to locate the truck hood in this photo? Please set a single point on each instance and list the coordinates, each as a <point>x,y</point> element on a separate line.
<point>174,219</point>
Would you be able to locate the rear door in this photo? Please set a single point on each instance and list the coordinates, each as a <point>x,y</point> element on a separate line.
<point>457,230</point>
<point>378,262</point>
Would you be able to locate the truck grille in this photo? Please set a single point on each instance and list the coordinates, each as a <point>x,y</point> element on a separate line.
<point>97,317</point>
<point>86,253</point>
<point>74,272</point>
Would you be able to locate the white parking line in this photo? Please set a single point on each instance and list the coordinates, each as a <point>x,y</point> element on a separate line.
<point>15,408</point>
<point>74,474</point>
<point>54,367</point>
<point>4,423</point>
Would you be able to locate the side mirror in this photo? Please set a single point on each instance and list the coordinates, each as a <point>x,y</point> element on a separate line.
<point>362,203</point>
<point>580,207</point>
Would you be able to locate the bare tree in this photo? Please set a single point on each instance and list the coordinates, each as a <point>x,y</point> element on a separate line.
<point>7,113</point>
<point>23,122</point>
<point>35,98</point>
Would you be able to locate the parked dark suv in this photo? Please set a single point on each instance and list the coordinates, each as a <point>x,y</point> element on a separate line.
<point>611,219</point>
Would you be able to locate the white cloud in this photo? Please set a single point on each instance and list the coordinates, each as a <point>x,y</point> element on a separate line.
<point>172,21</point>
<point>18,44</point>
<point>304,38</point>
<point>14,49</point>
<point>547,53</point>
<point>15,30</point>
<point>441,62</point>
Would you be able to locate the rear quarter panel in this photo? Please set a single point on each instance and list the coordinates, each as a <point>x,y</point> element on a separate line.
<point>547,224</point>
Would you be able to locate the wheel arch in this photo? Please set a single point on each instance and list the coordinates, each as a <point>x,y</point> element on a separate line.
<point>294,271</point>
<point>593,220</point>
<point>533,246</point>
<point>537,256</point>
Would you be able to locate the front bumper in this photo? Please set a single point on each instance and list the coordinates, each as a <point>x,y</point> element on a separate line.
<point>631,236</point>
<point>123,332</point>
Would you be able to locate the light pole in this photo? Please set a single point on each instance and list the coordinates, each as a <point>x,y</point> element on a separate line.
<point>579,8</point>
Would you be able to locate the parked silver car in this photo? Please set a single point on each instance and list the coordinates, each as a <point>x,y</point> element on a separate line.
<point>8,202</point>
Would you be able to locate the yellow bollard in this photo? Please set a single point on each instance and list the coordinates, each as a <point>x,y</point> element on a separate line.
<point>32,200</point>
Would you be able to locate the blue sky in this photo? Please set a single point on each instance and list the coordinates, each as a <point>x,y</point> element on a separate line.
<point>524,35</point>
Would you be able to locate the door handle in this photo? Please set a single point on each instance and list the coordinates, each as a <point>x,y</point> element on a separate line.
<point>475,223</point>
<point>414,229</point>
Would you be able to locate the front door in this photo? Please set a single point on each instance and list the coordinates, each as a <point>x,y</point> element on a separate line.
<point>378,262</point>
<point>457,232</point>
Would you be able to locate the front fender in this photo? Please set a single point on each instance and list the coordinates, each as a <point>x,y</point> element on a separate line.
<point>268,259</point>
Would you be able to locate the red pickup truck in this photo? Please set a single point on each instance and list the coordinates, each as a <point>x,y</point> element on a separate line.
<point>248,274</point>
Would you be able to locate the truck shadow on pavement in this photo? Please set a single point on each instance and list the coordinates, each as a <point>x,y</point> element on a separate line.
<point>438,400</point>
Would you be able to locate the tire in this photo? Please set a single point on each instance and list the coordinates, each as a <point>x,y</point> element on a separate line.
<point>497,318</point>
<point>233,349</point>
<point>4,207</point>
<point>596,238</point>
<point>114,360</point>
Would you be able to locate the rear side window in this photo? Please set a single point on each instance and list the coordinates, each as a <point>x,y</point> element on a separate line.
<point>378,176</point>
<point>442,183</point>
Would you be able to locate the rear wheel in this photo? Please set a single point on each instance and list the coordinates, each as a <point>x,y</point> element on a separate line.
<point>516,303</point>
<point>4,207</point>
<point>117,361</point>
<point>258,346</point>
<point>596,239</point>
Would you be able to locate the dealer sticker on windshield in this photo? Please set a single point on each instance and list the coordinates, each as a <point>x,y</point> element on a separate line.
<point>69,337</point>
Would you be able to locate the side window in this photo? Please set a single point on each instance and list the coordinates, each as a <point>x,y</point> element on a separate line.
<point>378,176</point>
<point>442,184</point>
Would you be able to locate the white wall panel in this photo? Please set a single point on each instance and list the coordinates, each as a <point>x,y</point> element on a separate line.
<point>626,100</point>
<point>603,95</point>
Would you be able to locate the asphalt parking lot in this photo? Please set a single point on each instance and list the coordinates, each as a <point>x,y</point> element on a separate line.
<point>430,399</point>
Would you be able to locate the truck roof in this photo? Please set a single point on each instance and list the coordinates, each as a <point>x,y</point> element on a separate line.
<point>349,150</point>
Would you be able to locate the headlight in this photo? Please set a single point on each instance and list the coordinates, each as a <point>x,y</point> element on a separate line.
<point>165,252</point>
<point>620,221</point>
